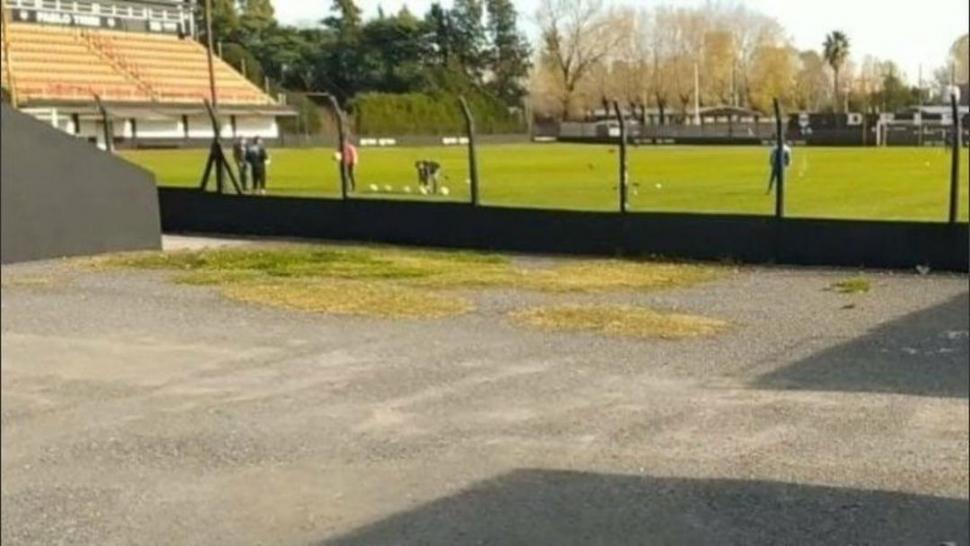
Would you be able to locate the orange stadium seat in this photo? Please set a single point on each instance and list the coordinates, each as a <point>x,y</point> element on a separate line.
<point>51,63</point>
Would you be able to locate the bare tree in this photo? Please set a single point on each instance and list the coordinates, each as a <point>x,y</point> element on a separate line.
<point>576,36</point>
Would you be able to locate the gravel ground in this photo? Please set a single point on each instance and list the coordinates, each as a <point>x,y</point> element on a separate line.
<point>135,411</point>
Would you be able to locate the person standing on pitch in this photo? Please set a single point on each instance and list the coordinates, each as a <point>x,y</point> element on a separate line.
<point>258,159</point>
<point>239,149</point>
<point>349,156</point>
<point>777,166</point>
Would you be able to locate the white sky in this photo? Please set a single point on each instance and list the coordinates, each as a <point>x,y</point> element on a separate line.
<point>910,33</point>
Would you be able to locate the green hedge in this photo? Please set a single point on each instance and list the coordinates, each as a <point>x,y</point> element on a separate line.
<point>385,114</point>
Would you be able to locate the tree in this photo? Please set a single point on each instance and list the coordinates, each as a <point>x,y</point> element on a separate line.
<point>836,52</point>
<point>225,22</point>
<point>773,75</point>
<point>340,65</point>
<point>575,37</point>
<point>509,52</point>
<point>468,37</point>
<point>256,17</point>
<point>439,26</point>
<point>812,84</point>
<point>346,19</point>
<point>960,58</point>
<point>394,51</point>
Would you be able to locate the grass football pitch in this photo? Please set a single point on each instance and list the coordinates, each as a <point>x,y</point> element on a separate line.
<point>864,183</point>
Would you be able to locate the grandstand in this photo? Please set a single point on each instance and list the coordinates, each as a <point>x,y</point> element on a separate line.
<point>143,61</point>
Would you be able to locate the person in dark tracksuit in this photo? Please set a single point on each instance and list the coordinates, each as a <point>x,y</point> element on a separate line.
<point>239,149</point>
<point>258,158</point>
<point>777,166</point>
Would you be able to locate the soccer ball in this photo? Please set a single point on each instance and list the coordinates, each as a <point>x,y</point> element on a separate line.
<point>388,188</point>
<point>407,189</point>
<point>445,191</point>
<point>659,186</point>
<point>374,188</point>
<point>423,190</point>
<point>337,156</point>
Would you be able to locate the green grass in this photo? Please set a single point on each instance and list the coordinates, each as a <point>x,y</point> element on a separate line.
<point>882,183</point>
<point>855,285</point>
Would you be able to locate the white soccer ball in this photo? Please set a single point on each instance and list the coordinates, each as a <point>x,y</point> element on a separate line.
<point>388,188</point>
<point>445,190</point>
<point>423,190</point>
<point>407,189</point>
<point>659,186</point>
<point>468,181</point>
<point>374,188</point>
<point>337,156</point>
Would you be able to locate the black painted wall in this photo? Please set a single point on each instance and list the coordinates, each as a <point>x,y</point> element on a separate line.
<point>751,239</point>
<point>63,197</point>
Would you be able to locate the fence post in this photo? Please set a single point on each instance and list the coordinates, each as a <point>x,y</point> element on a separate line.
<point>779,162</point>
<point>341,143</point>
<point>955,164</point>
<point>624,174</point>
<point>472,154</point>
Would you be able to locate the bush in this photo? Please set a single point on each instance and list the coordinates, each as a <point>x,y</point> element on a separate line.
<point>378,114</point>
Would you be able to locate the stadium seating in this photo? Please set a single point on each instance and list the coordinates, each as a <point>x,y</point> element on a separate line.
<point>49,62</point>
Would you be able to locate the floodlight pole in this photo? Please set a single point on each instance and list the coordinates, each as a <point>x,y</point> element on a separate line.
<point>779,165</point>
<point>624,173</point>
<point>472,154</point>
<point>106,125</point>
<point>955,158</point>
<point>342,143</point>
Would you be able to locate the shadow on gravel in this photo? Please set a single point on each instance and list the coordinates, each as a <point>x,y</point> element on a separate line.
<point>535,507</point>
<point>924,353</point>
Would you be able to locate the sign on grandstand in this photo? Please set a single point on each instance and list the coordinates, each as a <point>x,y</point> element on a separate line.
<point>63,18</point>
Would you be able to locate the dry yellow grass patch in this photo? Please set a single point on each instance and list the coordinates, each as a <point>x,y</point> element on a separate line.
<point>619,320</point>
<point>393,282</point>
<point>373,299</point>
<point>613,275</point>
<point>31,281</point>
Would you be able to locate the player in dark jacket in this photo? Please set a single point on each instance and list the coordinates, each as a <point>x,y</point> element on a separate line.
<point>258,158</point>
<point>777,166</point>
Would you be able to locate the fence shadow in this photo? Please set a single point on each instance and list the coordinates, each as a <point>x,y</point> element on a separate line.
<point>924,353</point>
<point>559,507</point>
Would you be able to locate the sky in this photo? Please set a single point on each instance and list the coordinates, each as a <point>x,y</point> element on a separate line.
<point>912,35</point>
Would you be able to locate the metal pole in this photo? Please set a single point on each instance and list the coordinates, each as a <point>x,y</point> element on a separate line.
<point>472,154</point>
<point>697,96</point>
<point>955,165</point>
<point>106,125</point>
<point>624,174</point>
<point>919,126</point>
<point>342,142</point>
<point>212,71</point>
<point>779,162</point>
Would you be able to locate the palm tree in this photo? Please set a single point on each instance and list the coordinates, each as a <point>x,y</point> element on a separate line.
<point>836,52</point>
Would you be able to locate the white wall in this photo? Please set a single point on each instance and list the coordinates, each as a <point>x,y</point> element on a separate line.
<point>252,126</point>
<point>160,128</point>
<point>201,127</point>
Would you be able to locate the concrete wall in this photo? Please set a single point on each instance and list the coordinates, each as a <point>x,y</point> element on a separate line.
<point>61,196</point>
<point>752,239</point>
